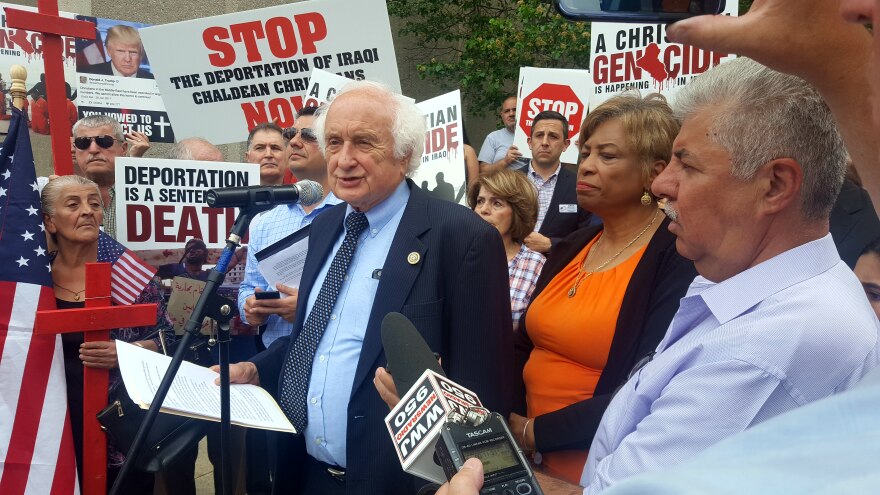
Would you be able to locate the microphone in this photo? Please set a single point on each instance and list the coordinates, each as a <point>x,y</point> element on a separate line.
<point>407,352</point>
<point>438,423</point>
<point>426,397</point>
<point>305,192</point>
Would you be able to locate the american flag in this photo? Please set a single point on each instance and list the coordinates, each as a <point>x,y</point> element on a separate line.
<point>36,444</point>
<point>129,274</point>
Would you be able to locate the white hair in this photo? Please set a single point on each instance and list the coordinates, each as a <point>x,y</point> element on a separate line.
<point>761,115</point>
<point>407,127</point>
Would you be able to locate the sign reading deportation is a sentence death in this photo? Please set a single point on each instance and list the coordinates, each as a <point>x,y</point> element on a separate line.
<point>162,204</point>
<point>221,76</point>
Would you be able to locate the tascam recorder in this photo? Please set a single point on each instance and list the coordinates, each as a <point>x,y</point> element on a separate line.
<point>485,435</point>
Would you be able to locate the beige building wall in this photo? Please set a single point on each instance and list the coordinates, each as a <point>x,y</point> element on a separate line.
<point>165,11</point>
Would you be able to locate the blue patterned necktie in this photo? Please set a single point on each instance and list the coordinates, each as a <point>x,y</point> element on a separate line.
<point>298,364</point>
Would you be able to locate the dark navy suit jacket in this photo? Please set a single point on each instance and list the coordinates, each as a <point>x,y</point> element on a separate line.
<point>456,296</point>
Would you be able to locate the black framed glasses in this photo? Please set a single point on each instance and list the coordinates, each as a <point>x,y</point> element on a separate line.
<point>104,141</point>
<point>306,134</point>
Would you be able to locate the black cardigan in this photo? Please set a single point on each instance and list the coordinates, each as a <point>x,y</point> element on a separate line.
<point>651,299</point>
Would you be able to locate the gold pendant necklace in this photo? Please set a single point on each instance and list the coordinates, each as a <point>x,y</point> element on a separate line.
<point>75,293</point>
<point>583,274</point>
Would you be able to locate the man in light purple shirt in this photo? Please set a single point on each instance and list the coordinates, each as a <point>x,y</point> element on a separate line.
<point>775,320</point>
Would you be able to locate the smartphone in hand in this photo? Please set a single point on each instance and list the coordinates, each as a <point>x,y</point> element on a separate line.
<point>269,294</point>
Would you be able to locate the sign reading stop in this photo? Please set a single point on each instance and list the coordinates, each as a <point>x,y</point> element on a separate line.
<point>556,97</point>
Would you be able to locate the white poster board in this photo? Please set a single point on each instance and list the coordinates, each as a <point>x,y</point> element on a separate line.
<point>627,57</point>
<point>220,76</point>
<point>160,204</point>
<point>566,91</point>
<point>441,172</point>
<point>323,86</point>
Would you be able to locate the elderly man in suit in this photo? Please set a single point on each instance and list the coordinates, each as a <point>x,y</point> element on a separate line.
<point>389,248</point>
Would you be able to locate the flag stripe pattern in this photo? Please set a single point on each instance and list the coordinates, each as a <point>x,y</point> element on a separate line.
<point>36,446</point>
<point>129,274</point>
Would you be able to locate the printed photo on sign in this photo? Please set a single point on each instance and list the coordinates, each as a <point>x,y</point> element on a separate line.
<point>565,91</point>
<point>25,48</point>
<point>441,172</point>
<point>221,76</point>
<point>115,79</point>
<point>626,57</point>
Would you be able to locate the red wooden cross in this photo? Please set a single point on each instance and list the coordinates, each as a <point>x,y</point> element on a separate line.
<point>48,22</point>
<point>95,320</point>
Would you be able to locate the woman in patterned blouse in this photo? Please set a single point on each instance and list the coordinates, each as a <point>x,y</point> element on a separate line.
<point>507,200</point>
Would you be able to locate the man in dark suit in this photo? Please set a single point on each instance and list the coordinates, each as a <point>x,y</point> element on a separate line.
<point>853,222</point>
<point>125,49</point>
<point>434,261</point>
<point>558,211</point>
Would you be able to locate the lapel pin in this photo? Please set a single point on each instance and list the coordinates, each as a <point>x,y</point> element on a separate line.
<point>413,258</point>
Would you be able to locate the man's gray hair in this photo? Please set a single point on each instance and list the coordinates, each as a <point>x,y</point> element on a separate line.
<point>762,115</point>
<point>407,127</point>
<point>183,150</point>
<point>93,121</point>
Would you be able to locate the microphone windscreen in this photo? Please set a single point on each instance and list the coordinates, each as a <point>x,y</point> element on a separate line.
<point>407,352</point>
<point>310,192</point>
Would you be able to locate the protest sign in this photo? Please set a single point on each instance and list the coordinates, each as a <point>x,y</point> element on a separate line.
<point>441,172</point>
<point>322,86</point>
<point>162,202</point>
<point>115,80</point>
<point>185,293</point>
<point>639,57</point>
<point>25,48</point>
<point>566,91</point>
<point>221,76</point>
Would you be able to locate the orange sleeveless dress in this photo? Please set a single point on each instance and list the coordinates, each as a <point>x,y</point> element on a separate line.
<point>572,337</point>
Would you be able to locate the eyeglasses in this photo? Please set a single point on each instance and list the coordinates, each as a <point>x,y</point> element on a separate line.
<point>305,134</point>
<point>84,142</point>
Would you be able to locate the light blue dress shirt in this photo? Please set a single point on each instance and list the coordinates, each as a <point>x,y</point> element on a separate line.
<point>338,352</point>
<point>789,331</point>
<point>268,228</point>
<point>829,446</point>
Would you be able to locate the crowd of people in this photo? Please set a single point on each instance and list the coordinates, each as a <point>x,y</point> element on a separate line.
<point>707,274</point>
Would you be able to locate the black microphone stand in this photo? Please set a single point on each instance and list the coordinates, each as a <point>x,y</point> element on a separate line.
<point>222,310</point>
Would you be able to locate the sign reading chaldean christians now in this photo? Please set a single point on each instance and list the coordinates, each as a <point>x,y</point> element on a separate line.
<point>626,57</point>
<point>221,76</point>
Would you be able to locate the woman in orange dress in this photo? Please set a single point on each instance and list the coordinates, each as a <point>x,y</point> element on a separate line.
<point>606,294</point>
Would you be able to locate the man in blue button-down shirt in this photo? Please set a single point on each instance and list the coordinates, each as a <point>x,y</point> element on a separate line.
<point>307,163</point>
<point>775,320</point>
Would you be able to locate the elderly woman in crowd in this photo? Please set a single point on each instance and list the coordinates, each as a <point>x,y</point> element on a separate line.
<point>607,294</point>
<point>72,213</point>
<point>508,201</point>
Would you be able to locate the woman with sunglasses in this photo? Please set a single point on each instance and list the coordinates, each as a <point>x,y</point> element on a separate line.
<point>607,294</point>
<point>72,214</point>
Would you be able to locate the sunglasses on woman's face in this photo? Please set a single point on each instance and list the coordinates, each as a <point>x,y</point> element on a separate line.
<point>305,134</point>
<point>84,142</point>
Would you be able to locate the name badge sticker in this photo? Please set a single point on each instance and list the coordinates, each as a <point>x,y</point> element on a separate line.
<point>569,208</point>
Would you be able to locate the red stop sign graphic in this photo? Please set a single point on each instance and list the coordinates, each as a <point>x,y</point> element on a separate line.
<point>557,97</point>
